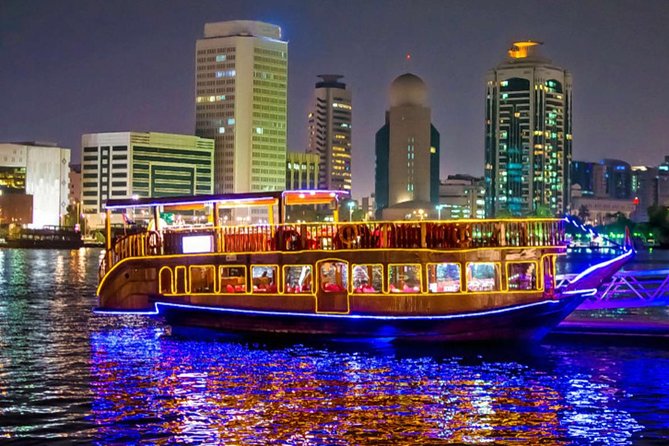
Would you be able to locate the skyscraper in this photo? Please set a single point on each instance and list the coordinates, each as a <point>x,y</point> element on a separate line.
<point>528,134</point>
<point>407,149</point>
<point>241,91</point>
<point>330,132</point>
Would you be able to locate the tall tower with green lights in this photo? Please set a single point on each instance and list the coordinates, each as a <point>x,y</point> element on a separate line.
<point>528,135</point>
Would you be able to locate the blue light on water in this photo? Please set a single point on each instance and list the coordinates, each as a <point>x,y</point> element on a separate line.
<point>68,375</point>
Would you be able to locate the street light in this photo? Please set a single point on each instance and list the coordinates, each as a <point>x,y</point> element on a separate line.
<point>351,204</point>
<point>421,213</point>
<point>439,208</point>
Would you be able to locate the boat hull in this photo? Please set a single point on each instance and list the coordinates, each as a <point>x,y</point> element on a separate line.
<point>523,322</point>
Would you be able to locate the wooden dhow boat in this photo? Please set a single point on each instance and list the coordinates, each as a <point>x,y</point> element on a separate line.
<point>461,280</point>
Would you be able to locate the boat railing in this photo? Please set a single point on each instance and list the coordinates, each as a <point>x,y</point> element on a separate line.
<point>133,245</point>
<point>467,234</point>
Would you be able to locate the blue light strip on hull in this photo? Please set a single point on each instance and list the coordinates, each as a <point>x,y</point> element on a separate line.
<point>594,268</point>
<point>156,311</point>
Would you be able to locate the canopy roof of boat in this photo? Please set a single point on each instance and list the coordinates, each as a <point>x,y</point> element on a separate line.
<point>288,197</point>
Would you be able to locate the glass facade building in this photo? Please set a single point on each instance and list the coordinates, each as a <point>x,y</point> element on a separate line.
<point>528,134</point>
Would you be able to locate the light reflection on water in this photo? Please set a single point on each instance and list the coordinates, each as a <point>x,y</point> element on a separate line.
<point>66,374</point>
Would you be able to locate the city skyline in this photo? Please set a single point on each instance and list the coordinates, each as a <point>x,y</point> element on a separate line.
<point>58,51</point>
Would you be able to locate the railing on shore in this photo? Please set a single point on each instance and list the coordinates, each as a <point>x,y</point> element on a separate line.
<point>465,234</point>
<point>628,288</point>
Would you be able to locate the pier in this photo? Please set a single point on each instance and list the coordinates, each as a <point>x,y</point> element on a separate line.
<point>632,303</point>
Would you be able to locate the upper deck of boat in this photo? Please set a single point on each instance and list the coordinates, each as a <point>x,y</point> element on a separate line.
<point>453,235</point>
<point>436,235</point>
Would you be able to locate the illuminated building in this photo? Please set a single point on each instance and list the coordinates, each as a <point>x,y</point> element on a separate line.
<point>301,171</point>
<point>74,192</point>
<point>528,137</point>
<point>461,196</point>
<point>240,102</point>
<point>618,178</point>
<point>138,164</point>
<point>407,151</point>
<point>607,179</point>
<point>645,188</point>
<point>33,183</point>
<point>582,175</point>
<point>330,132</point>
<point>602,210</point>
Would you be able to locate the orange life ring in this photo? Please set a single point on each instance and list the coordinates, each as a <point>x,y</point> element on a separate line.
<point>347,236</point>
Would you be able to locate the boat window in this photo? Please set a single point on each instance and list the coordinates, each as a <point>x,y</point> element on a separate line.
<point>334,277</point>
<point>444,277</point>
<point>297,279</point>
<point>264,278</point>
<point>232,279</point>
<point>549,273</point>
<point>202,279</point>
<point>180,282</point>
<point>368,278</point>
<point>404,278</point>
<point>483,276</point>
<point>522,276</point>
<point>166,281</point>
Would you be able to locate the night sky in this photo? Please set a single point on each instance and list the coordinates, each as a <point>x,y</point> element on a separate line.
<point>70,67</point>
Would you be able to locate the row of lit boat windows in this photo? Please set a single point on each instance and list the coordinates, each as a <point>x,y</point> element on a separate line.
<point>333,276</point>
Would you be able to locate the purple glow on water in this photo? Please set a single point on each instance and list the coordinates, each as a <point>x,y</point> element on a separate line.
<point>68,375</point>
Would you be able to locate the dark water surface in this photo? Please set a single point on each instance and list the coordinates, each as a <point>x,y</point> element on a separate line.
<point>69,376</point>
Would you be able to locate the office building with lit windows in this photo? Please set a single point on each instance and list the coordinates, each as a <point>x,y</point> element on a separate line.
<point>33,183</point>
<point>241,92</point>
<point>407,152</point>
<point>128,164</point>
<point>330,132</point>
<point>461,196</point>
<point>302,171</point>
<point>618,178</point>
<point>528,134</point>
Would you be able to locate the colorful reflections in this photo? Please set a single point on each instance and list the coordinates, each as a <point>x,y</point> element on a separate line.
<point>184,390</point>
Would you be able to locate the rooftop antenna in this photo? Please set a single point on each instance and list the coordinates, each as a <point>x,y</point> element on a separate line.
<point>407,62</point>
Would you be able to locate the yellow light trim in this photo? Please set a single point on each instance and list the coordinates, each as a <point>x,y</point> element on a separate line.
<point>498,269</point>
<point>181,268</point>
<point>160,281</point>
<point>317,284</point>
<point>450,293</point>
<point>246,278</point>
<point>440,251</point>
<point>383,282</point>
<point>539,274</point>
<point>553,257</point>
<point>210,267</point>
<point>420,278</point>
<point>297,265</point>
<point>277,278</point>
